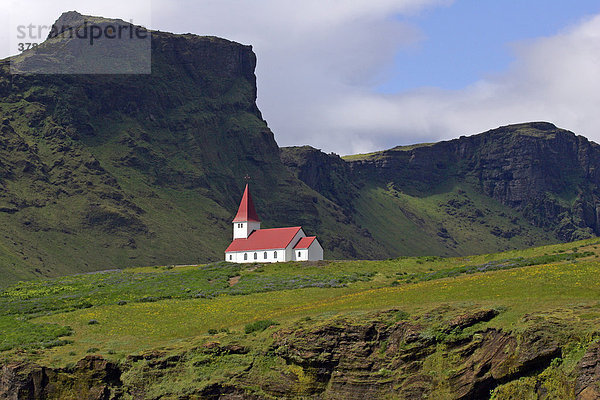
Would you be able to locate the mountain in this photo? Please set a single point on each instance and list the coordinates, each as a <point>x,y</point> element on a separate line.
<point>514,186</point>
<point>101,171</point>
<point>115,170</point>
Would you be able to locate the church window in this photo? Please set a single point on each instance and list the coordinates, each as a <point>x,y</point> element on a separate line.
<point>299,254</point>
<point>265,255</point>
<point>275,254</point>
<point>255,256</point>
<point>230,257</point>
<point>245,256</point>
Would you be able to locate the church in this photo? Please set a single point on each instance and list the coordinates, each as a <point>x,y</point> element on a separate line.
<point>252,244</point>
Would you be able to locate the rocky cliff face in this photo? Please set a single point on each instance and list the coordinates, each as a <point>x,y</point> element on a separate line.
<point>549,175</point>
<point>92,378</point>
<point>377,360</point>
<point>328,174</point>
<point>378,356</point>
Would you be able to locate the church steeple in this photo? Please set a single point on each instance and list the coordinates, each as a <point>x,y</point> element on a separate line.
<point>246,220</point>
<point>246,211</point>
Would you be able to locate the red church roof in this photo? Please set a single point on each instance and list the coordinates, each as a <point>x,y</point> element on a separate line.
<point>305,242</point>
<point>265,239</point>
<point>246,212</point>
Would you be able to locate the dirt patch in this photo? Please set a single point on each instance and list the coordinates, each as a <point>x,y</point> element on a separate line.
<point>234,280</point>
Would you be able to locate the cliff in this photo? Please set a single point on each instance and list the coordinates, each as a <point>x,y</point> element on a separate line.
<point>532,174</point>
<point>549,174</point>
<point>116,170</point>
<point>375,356</point>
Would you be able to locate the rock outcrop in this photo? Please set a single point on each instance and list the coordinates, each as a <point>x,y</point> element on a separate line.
<point>549,175</point>
<point>93,378</point>
<point>588,371</point>
<point>375,360</point>
<point>376,356</point>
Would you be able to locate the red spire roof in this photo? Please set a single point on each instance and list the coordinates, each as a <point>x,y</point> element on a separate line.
<point>246,212</point>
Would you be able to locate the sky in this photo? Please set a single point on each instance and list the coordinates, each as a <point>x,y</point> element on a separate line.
<point>354,76</point>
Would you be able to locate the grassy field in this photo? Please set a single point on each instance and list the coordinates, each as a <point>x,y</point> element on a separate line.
<point>121,312</point>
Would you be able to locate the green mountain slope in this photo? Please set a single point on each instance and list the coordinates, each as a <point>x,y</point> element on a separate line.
<point>101,171</point>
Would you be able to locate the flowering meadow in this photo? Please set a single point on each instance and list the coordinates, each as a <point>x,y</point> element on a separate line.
<point>119,312</point>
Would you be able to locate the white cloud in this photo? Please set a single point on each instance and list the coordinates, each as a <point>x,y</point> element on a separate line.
<point>554,79</point>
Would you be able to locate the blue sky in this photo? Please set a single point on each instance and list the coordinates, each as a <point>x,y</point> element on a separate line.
<point>363,75</point>
<point>470,39</point>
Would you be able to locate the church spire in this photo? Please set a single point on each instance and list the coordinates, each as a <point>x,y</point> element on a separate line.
<point>246,212</point>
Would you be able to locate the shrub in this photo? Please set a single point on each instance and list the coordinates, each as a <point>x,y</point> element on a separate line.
<point>83,304</point>
<point>212,331</point>
<point>259,326</point>
<point>401,316</point>
<point>93,322</point>
<point>121,302</point>
<point>149,299</point>
<point>93,350</point>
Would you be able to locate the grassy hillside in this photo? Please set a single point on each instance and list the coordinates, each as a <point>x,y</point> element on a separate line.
<point>454,221</point>
<point>182,310</point>
<point>103,171</point>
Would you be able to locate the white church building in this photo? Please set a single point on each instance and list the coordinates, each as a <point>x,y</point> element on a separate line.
<point>252,244</point>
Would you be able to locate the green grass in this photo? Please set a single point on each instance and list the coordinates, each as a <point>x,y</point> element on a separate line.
<point>376,154</point>
<point>152,307</point>
<point>21,333</point>
<point>259,326</point>
<point>205,328</point>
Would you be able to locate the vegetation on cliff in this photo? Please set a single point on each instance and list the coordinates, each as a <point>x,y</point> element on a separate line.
<point>512,187</point>
<point>518,323</point>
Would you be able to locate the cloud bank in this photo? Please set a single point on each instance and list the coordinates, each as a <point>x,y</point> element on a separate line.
<point>554,79</point>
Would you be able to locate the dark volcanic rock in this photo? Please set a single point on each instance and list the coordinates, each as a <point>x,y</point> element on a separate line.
<point>495,357</point>
<point>588,375</point>
<point>465,320</point>
<point>93,378</point>
<point>328,174</point>
<point>346,359</point>
<point>535,168</point>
